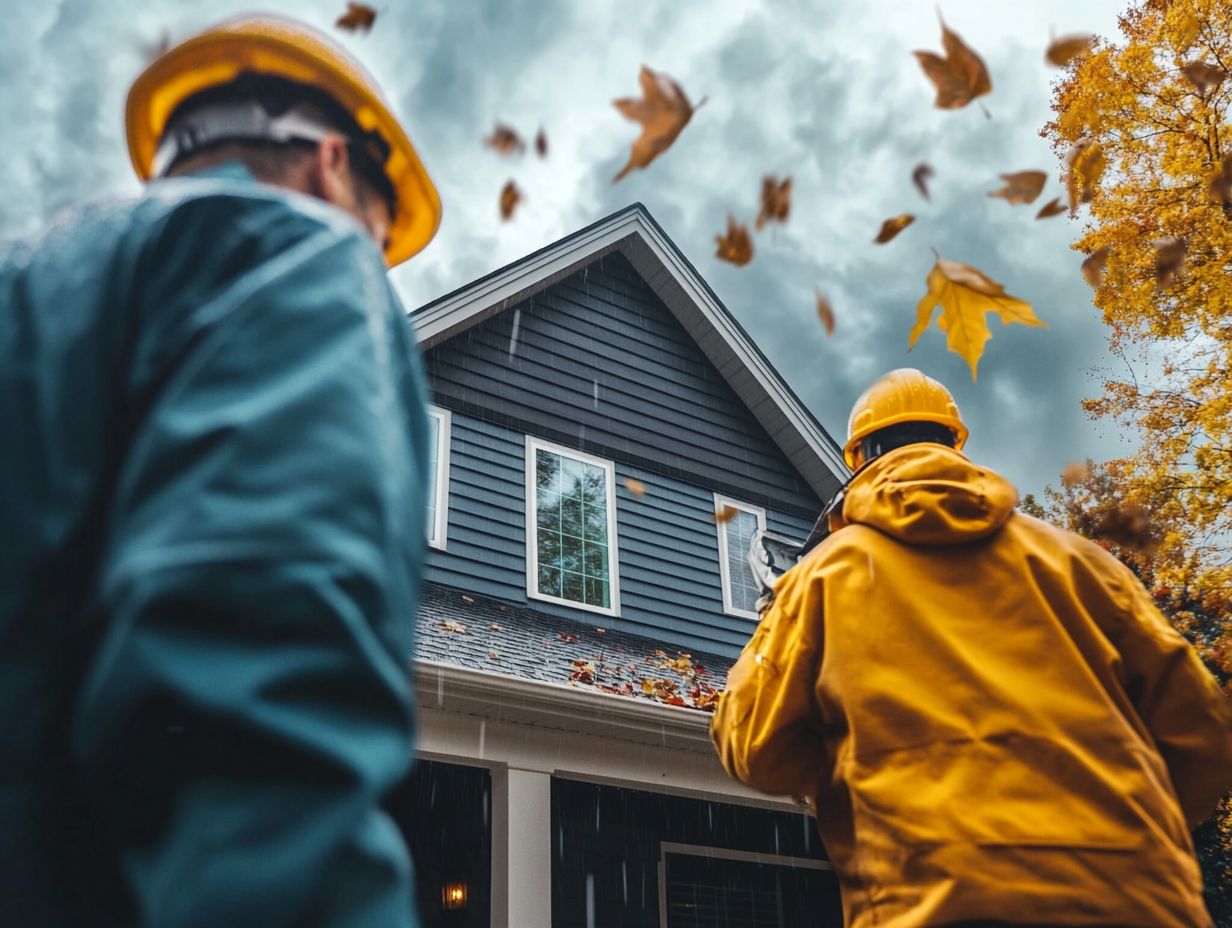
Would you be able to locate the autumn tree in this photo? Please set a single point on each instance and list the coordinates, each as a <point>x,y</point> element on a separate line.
<point>1143,122</point>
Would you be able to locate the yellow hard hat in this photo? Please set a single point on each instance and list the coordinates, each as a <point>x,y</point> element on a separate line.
<point>283,48</point>
<point>903,395</point>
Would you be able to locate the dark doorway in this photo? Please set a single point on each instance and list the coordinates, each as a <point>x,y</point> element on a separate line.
<point>444,812</point>
<point>723,866</point>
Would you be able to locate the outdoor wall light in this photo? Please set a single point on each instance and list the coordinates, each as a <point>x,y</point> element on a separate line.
<point>453,895</point>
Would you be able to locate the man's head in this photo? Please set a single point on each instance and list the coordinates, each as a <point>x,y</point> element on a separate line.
<point>902,407</point>
<point>297,111</point>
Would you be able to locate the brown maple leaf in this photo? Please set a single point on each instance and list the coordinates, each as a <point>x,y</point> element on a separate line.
<point>1064,50</point>
<point>966,295</point>
<point>736,246</point>
<point>505,140</point>
<point>959,77</point>
<point>541,144</point>
<point>1085,162</point>
<point>456,627</point>
<point>1203,76</point>
<point>775,200</point>
<point>663,111</point>
<point>1220,188</point>
<point>1053,207</point>
<point>1021,187</point>
<point>1093,266</point>
<point>726,514</point>
<point>922,174</point>
<point>635,487</point>
<point>358,16</point>
<point>825,312</point>
<point>892,226</point>
<point>510,197</point>
<point>567,638</point>
<point>1127,526</point>
<point>1169,259</point>
<point>1075,472</point>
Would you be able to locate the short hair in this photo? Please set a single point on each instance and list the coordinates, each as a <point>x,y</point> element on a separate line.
<point>904,433</point>
<point>271,160</point>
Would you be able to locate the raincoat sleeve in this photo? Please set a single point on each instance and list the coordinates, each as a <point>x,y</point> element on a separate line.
<point>250,702</point>
<point>767,726</point>
<point>1182,706</point>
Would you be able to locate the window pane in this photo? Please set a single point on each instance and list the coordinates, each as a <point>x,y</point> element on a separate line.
<point>740,530</point>
<point>549,581</point>
<point>434,437</point>
<point>571,525</point>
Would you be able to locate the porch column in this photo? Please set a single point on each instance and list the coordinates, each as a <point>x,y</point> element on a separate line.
<point>521,848</point>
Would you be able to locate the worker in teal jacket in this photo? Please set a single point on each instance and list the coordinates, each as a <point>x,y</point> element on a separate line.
<point>212,497</point>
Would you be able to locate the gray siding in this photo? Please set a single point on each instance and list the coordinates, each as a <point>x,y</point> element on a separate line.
<point>598,364</point>
<point>667,544</point>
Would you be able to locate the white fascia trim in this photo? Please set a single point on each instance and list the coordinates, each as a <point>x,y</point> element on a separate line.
<point>470,305</point>
<point>534,444</point>
<point>724,571</point>
<point>444,427</point>
<point>563,706</point>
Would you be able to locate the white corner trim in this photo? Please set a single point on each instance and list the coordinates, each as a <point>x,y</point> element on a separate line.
<point>533,445</point>
<point>724,570</point>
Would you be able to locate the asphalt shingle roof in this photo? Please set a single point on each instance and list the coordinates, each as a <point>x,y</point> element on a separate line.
<point>471,631</point>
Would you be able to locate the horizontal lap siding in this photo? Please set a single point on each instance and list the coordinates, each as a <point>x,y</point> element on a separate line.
<point>598,362</point>
<point>663,415</point>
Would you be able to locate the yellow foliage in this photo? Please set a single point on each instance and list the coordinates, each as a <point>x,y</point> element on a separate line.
<point>1162,141</point>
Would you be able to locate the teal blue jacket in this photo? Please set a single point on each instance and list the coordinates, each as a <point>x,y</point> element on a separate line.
<point>212,484</point>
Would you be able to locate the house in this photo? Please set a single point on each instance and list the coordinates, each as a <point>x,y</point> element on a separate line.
<point>607,440</point>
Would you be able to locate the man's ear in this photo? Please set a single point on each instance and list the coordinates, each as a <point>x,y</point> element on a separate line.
<point>330,175</point>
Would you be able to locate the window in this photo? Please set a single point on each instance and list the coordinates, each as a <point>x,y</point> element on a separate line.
<point>570,528</point>
<point>438,475</point>
<point>740,589</point>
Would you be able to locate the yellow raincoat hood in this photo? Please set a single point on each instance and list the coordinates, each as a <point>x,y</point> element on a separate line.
<point>928,494</point>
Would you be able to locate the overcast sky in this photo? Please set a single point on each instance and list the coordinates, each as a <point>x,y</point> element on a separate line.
<point>826,92</point>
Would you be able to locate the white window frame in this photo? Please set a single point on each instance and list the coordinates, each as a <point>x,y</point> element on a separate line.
<point>532,548</point>
<point>437,531</point>
<point>721,527</point>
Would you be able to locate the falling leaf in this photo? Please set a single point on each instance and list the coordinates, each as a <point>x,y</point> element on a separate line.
<point>1204,76</point>
<point>456,627</point>
<point>504,140</point>
<point>775,200</point>
<point>663,111</point>
<point>636,487</point>
<point>922,174</point>
<point>959,77</point>
<point>1086,162</point>
<point>567,638</point>
<point>726,514</point>
<point>1127,526</point>
<point>966,295</point>
<point>358,16</point>
<point>1221,183</point>
<point>1021,187</point>
<point>825,312</point>
<point>495,628</point>
<point>510,197</point>
<point>1169,259</point>
<point>736,246</point>
<point>1093,266</point>
<point>1053,207</point>
<point>1064,50</point>
<point>892,226</point>
<point>541,144</point>
<point>1075,472</point>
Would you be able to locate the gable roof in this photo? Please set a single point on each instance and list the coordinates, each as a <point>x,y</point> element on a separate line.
<point>634,233</point>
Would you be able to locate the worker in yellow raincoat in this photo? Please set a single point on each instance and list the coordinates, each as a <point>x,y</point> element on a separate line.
<point>990,718</point>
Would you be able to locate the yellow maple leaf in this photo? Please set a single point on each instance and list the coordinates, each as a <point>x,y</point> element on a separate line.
<point>966,295</point>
